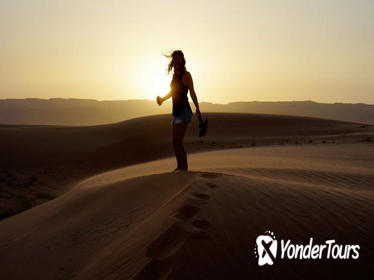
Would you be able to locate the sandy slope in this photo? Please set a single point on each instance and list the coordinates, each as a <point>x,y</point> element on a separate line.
<point>39,162</point>
<point>143,222</point>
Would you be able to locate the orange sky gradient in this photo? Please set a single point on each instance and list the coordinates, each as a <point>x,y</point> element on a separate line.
<point>235,50</point>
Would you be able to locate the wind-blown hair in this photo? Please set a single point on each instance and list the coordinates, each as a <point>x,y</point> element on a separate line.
<point>172,55</point>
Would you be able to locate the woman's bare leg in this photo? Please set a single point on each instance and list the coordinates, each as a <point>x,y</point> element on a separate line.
<point>175,145</point>
<point>180,153</point>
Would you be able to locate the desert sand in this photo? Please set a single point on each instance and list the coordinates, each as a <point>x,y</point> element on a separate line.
<point>145,222</point>
<point>38,163</point>
<point>141,221</point>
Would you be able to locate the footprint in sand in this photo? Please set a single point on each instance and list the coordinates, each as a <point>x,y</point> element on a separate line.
<point>186,212</point>
<point>168,243</point>
<point>211,175</point>
<point>211,185</point>
<point>203,196</point>
<point>201,224</point>
<point>201,228</point>
<point>156,269</point>
<point>162,251</point>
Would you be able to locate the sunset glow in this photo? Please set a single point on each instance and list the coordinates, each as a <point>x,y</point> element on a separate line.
<point>149,77</point>
<point>235,50</point>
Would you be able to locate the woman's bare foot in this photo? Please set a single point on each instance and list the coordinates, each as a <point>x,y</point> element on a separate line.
<point>180,170</point>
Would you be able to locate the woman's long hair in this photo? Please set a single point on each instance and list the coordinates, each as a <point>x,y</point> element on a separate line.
<point>171,63</point>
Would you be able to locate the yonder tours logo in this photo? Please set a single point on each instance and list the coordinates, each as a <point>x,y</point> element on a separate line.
<point>266,250</point>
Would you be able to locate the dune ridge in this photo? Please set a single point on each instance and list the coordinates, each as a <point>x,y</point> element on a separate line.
<point>79,112</point>
<point>39,163</point>
<point>139,222</point>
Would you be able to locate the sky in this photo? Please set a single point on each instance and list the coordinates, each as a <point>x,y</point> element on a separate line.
<point>237,50</point>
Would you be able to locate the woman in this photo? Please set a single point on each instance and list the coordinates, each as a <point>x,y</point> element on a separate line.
<point>182,113</point>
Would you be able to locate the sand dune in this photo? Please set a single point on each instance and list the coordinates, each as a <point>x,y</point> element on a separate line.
<point>38,163</point>
<point>80,112</point>
<point>143,222</point>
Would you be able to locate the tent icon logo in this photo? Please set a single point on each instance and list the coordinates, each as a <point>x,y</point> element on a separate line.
<point>266,248</point>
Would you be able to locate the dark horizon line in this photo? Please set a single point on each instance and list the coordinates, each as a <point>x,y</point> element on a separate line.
<point>146,99</point>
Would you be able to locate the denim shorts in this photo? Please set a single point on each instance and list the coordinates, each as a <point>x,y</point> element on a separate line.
<point>184,116</point>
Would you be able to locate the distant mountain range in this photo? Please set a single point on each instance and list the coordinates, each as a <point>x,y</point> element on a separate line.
<point>78,112</point>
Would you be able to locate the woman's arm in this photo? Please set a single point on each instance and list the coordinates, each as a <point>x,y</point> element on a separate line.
<point>167,96</point>
<point>162,99</point>
<point>189,82</point>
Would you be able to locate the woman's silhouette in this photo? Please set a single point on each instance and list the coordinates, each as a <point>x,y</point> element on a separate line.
<point>182,113</point>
